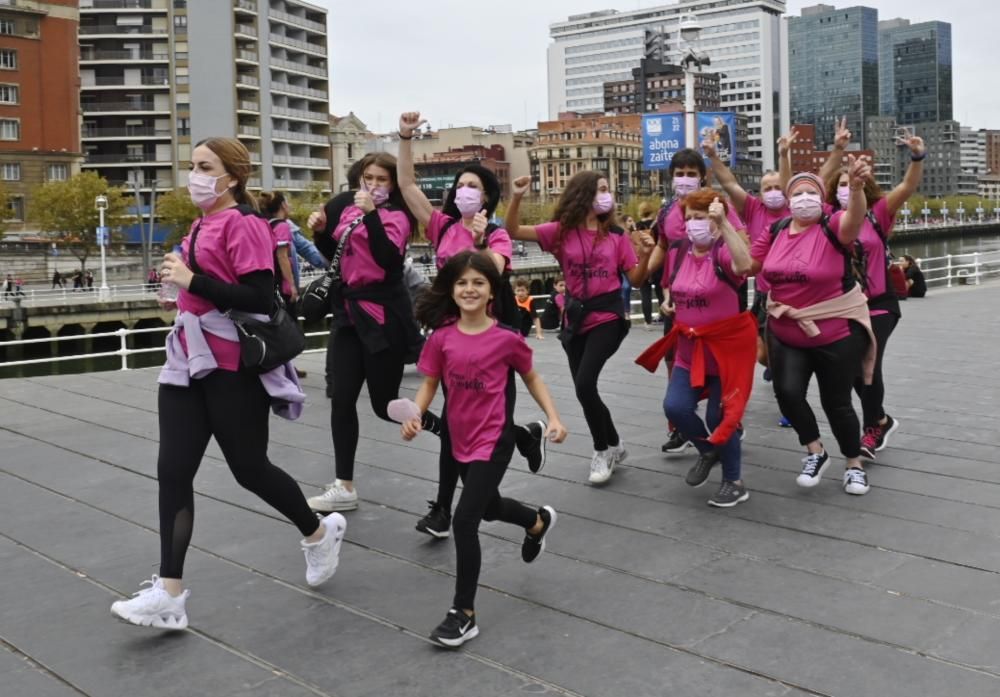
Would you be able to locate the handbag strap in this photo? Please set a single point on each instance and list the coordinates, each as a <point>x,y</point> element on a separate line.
<point>194,238</point>
<point>335,262</point>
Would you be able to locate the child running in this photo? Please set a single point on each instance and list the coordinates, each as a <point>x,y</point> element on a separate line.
<point>475,358</point>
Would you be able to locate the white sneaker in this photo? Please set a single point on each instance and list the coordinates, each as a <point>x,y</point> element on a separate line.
<point>618,453</point>
<point>856,481</point>
<point>153,607</point>
<point>335,498</point>
<point>601,466</point>
<point>322,557</point>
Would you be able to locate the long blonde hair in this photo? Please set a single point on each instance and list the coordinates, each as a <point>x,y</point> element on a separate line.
<point>235,159</point>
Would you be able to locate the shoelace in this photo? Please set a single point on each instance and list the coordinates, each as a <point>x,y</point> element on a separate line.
<point>871,435</point>
<point>810,463</point>
<point>856,476</point>
<point>726,489</point>
<point>152,586</point>
<point>598,464</point>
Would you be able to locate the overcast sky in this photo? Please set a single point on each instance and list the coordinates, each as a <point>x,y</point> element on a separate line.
<point>475,62</point>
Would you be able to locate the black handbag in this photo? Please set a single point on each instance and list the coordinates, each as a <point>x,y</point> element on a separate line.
<point>264,344</point>
<point>315,301</point>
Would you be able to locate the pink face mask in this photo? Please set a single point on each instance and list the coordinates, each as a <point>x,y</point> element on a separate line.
<point>603,202</point>
<point>806,207</point>
<point>843,195</point>
<point>699,231</point>
<point>379,194</point>
<point>774,199</point>
<point>201,187</point>
<point>686,185</point>
<point>469,201</point>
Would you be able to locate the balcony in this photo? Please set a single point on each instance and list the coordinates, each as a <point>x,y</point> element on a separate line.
<point>127,132</point>
<point>297,21</point>
<point>299,137</point>
<point>118,56</point>
<point>157,5</point>
<point>302,161</point>
<point>121,158</point>
<point>299,67</point>
<point>248,131</point>
<point>246,30</point>
<point>303,45</point>
<point>246,105</point>
<point>120,81</point>
<point>247,56</point>
<point>295,89</point>
<point>246,6</point>
<point>123,106</point>
<point>123,30</point>
<point>301,114</point>
<point>254,182</point>
<point>295,184</point>
<point>248,81</point>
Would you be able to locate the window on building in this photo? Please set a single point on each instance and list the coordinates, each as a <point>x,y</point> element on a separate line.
<point>8,58</point>
<point>15,208</point>
<point>9,94</point>
<point>58,172</point>
<point>183,126</point>
<point>10,129</point>
<point>7,26</point>
<point>10,172</point>
<point>180,24</point>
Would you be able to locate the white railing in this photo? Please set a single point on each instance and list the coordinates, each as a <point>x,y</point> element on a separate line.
<point>123,351</point>
<point>58,296</point>
<point>960,269</point>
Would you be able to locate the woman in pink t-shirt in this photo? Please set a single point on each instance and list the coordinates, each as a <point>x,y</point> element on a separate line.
<point>232,250</point>
<point>876,231</point>
<point>474,359</point>
<point>593,254</point>
<point>704,288</point>
<point>274,206</point>
<point>805,264</point>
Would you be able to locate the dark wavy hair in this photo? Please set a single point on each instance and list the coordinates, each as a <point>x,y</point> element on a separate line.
<point>873,192</point>
<point>271,202</point>
<point>436,307</point>
<point>576,203</point>
<point>491,191</point>
<point>388,163</point>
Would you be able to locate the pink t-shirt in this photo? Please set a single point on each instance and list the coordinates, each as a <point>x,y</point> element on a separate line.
<point>230,244</point>
<point>357,265</point>
<point>802,270</point>
<point>581,254</point>
<point>701,297</point>
<point>875,250</point>
<point>759,219</point>
<point>674,229</point>
<point>477,371</point>
<point>282,232</point>
<point>458,238</point>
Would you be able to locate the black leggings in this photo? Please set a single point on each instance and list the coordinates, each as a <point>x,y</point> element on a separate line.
<point>233,407</point>
<point>481,500</point>
<point>836,366</point>
<point>646,294</point>
<point>587,355</point>
<point>873,395</point>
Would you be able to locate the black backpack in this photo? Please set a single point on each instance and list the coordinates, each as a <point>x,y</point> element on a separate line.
<point>855,258</point>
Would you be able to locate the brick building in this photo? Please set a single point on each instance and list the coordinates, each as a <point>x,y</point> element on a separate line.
<point>436,172</point>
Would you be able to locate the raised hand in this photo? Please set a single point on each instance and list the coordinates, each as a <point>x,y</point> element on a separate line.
<point>317,220</point>
<point>786,142</point>
<point>842,134</point>
<point>708,147</point>
<point>859,170</point>
<point>519,187</point>
<point>914,142</point>
<point>479,223</point>
<point>716,211</point>
<point>363,200</point>
<point>643,243</point>
<point>409,122</point>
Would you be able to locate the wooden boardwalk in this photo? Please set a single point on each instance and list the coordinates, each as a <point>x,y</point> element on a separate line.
<point>644,589</point>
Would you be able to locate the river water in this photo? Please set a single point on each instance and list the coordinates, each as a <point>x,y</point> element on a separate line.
<point>930,247</point>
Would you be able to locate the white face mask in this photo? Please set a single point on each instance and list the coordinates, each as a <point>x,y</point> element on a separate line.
<point>806,207</point>
<point>201,187</point>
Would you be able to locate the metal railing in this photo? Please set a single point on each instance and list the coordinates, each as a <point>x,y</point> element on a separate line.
<point>298,43</point>
<point>302,137</point>
<point>301,67</point>
<point>298,21</point>
<point>98,55</point>
<point>246,29</point>
<point>126,132</point>
<point>304,161</point>
<point>36,297</point>
<point>300,114</point>
<point>295,89</point>
<point>960,269</point>
<point>87,107</point>
<point>115,29</point>
<point>246,5</point>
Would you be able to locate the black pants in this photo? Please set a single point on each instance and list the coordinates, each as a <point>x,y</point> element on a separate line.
<point>646,294</point>
<point>587,355</point>
<point>233,407</point>
<point>481,500</point>
<point>873,395</point>
<point>836,367</point>
<point>348,367</point>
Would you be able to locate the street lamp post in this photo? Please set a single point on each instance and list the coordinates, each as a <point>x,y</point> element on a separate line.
<point>101,203</point>
<point>688,31</point>
<point>926,213</point>
<point>906,216</point>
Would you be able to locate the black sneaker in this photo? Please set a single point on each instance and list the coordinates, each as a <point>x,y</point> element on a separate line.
<point>436,523</point>
<point>530,440</point>
<point>813,466</point>
<point>676,444</point>
<point>456,629</point>
<point>884,431</point>
<point>698,474</point>
<point>534,545</point>
<point>728,495</point>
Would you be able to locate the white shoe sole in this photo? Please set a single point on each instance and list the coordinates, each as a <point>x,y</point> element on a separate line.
<point>325,507</point>
<point>680,450</point>
<point>338,528</point>
<point>745,497</point>
<point>455,643</point>
<point>171,624</point>
<point>885,436</point>
<point>809,482</point>
<point>437,534</point>
<point>857,492</point>
<point>541,447</point>
<point>552,523</point>
<point>599,479</point>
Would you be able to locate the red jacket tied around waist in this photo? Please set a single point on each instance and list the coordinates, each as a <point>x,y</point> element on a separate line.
<point>733,343</point>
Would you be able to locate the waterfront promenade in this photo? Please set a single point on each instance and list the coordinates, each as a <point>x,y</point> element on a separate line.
<point>644,590</point>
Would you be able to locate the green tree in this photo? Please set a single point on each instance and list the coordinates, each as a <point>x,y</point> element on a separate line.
<point>66,210</point>
<point>175,210</point>
<point>301,205</point>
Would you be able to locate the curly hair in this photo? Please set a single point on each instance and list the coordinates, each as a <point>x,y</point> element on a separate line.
<point>436,306</point>
<point>577,202</point>
<point>701,199</point>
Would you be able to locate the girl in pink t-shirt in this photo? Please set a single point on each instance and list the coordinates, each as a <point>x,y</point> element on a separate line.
<point>805,264</point>
<point>876,231</point>
<point>232,250</point>
<point>274,206</point>
<point>474,359</point>
<point>704,288</point>
<point>593,256</point>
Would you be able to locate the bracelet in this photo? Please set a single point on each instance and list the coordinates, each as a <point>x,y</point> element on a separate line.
<point>402,137</point>
<point>918,158</point>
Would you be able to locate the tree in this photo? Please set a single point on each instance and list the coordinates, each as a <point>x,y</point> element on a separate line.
<point>4,202</point>
<point>66,210</point>
<point>175,210</point>
<point>301,205</point>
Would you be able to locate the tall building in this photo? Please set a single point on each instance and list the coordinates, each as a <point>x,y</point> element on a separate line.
<point>973,160</point>
<point>39,100</point>
<point>915,73</point>
<point>157,76</point>
<point>833,69</point>
<point>993,152</point>
<point>880,134</point>
<point>435,173</point>
<point>943,166</point>
<point>741,39</point>
<point>658,84</point>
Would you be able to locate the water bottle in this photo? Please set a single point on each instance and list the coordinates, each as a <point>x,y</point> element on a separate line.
<point>168,291</point>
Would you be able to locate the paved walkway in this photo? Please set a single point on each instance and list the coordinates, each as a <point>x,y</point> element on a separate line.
<point>645,590</point>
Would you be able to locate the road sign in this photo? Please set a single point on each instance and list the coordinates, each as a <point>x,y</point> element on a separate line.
<point>102,236</point>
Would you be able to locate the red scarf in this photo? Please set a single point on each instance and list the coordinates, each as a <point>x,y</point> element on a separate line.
<point>733,343</point>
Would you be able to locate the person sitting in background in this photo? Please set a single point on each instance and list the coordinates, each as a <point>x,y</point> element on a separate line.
<point>914,277</point>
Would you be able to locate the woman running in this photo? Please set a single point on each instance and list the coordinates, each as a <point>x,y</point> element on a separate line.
<point>274,207</point>
<point>818,320</point>
<point>593,254</point>
<point>876,231</point>
<point>474,359</point>
<point>463,224</point>
<point>230,250</point>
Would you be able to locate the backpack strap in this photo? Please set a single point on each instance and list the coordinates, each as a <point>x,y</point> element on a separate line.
<point>719,271</point>
<point>853,257</point>
<point>661,219</point>
<point>682,247</point>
